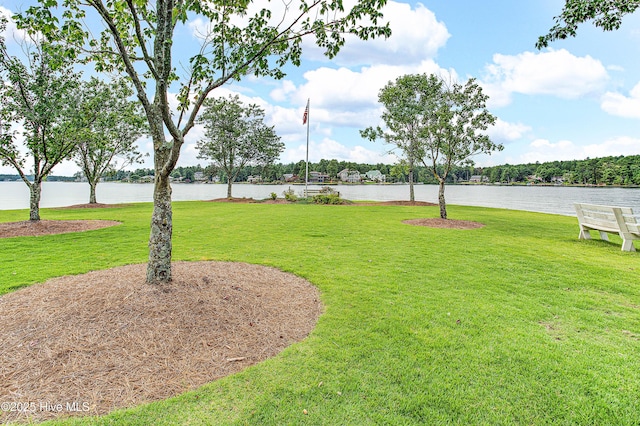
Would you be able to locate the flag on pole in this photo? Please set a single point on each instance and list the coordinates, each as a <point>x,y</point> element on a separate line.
<point>306,114</point>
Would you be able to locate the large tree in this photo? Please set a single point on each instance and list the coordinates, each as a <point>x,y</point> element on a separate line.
<point>236,136</point>
<point>109,124</point>
<point>436,121</point>
<point>242,38</point>
<point>36,92</point>
<point>605,14</point>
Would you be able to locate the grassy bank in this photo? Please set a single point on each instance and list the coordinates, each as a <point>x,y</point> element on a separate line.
<point>517,322</point>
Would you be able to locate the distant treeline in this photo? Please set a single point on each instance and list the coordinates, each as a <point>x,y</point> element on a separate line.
<point>50,178</point>
<point>620,170</point>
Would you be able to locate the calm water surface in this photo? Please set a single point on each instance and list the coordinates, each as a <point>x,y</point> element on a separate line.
<point>545,199</point>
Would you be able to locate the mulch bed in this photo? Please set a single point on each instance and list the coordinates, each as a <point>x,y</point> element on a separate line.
<point>106,340</point>
<point>29,228</point>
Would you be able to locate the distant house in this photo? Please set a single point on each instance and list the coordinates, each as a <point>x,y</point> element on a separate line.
<point>254,179</point>
<point>288,177</point>
<point>534,179</point>
<point>318,177</point>
<point>147,178</point>
<point>350,176</point>
<point>478,179</point>
<point>199,177</point>
<point>375,176</point>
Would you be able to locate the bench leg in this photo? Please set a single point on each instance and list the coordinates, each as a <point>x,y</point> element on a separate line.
<point>604,236</point>
<point>627,244</point>
<point>584,234</point>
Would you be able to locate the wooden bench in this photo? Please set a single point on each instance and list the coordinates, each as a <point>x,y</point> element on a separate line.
<point>609,219</point>
<point>311,192</point>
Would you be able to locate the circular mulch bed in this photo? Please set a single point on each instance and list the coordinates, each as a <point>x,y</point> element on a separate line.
<point>444,223</point>
<point>29,228</point>
<point>88,344</point>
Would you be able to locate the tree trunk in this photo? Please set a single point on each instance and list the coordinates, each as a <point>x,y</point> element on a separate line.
<point>34,203</point>
<point>441,202</point>
<point>92,192</point>
<point>159,267</point>
<point>412,195</point>
<point>229,183</point>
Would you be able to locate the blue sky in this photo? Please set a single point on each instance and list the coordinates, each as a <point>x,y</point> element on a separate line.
<point>579,98</point>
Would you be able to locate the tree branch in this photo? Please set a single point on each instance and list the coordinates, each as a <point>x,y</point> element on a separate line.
<point>126,58</point>
<point>141,41</point>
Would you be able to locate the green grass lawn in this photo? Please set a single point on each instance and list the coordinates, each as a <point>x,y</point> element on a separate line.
<point>518,322</point>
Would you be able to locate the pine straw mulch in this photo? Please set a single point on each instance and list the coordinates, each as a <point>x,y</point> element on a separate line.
<point>106,339</point>
<point>29,228</point>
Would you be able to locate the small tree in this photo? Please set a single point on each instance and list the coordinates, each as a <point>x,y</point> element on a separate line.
<point>453,132</point>
<point>236,136</point>
<point>109,126</point>
<point>36,96</point>
<point>436,122</point>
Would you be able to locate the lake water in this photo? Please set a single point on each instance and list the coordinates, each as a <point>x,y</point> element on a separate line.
<point>545,199</point>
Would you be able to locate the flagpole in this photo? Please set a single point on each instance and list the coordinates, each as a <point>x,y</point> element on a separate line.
<point>306,178</point>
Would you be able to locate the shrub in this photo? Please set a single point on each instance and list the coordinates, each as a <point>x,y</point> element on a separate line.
<point>273,195</point>
<point>290,195</point>
<point>328,190</point>
<point>327,199</point>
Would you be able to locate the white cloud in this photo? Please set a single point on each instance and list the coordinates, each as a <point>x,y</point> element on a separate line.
<point>543,150</point>
<point>555,72</point>
<point>416,35</point>
<point>622,106</point>
<point>11,33</point>
<point>344,89</point>
<point>622,145</point>
<point>281,93</point>
<point>504,131</point>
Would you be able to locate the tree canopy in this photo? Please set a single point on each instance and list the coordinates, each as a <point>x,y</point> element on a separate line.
<point>109,125</point>
<point>605,14</point>
<point>37,96</point>
<point>436,121</point>
<point>236,136</point>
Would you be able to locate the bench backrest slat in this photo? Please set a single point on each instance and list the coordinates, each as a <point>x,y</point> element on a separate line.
<point>599,215</point>
<point>633,228</point>
<point>609,224</point>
